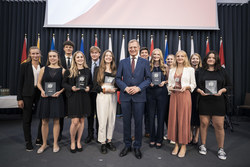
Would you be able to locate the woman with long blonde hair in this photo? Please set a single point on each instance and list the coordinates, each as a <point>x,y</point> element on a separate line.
<point>106,100</point>
<point>156,98</point>
<point>181,82</point>
<point>78,97</point>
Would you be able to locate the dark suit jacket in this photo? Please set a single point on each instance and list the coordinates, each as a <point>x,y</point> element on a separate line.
<point>26,81</point>
<point>141,78</point>
<point>63,61</point>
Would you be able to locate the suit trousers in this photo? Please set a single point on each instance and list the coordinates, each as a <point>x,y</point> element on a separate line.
<point>91,117</point>
<point>29,101</point>
<point>106,111</point>
<point>157,106</point>
<point>137,109</point>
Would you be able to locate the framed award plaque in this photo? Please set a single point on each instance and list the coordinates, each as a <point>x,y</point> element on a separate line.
<point>156,78</point>
<point>50,88</point>
<point>211,87</point>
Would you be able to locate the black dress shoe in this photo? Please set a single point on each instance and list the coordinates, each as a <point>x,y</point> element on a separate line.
<point>39,142</point>
<point>111,146</point>
<point>79,149</point>
<point>138,154</point>
<point>158,145</point>
<point>88,139</point>
<point>151,145</point>
<point>73,150</point>
<point>125,151</point>
<point>104,149</point>
<point>29,146</point>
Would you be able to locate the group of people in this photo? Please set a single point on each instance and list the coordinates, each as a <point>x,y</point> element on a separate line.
<point>184,94</point>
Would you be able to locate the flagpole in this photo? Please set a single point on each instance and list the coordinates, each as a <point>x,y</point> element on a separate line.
<point>67,37</point>
<point>179,43</point>
<point>96,40</point>
<point>166,49</point>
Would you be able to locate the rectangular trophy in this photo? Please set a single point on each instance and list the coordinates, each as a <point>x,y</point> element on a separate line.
<point>50,88</point>
<point>156,78</point>
<point>81,82</point>
<point>211,87</point>
<point>109,80</point>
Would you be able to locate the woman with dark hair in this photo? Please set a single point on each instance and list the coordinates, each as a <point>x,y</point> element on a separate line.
<point>181,83</point>
<point>106,100</point>
<point>28,94</point>
<point>196,63</point>
<point>51,106</point>
<point>156,98</point>
<point>77,82</point>
<point>213,83</point>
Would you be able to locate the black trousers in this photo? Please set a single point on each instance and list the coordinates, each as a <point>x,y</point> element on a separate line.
<point>91,118</point>
<point>30,103</point>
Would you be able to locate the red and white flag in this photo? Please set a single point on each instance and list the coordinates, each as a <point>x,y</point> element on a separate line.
<point>221,54</point>
<point>24,53</point>
<point>151,47</point>
<point>96,40</point>
<point>207,46</point>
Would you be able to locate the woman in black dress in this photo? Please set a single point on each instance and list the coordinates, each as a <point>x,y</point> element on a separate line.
<point>213,83</point>
<point>51,106</point>
<point>78,97</point>
<point>196,63</point>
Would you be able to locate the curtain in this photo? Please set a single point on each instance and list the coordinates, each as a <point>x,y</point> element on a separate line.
<point>21,17</point>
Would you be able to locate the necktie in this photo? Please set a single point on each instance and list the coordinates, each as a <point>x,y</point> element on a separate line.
<point>133,65</point>
<point>93,70</point>
<point>68,62</point>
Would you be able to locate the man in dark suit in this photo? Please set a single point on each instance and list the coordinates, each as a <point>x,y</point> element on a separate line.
<point>66,59</point>
<point>95,53</point>
<point>133,77</point>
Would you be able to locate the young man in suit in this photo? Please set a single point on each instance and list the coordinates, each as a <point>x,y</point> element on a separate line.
<point>144,53</point>
<point>66,59</point>
<point>95,53</point>
<point>133,77</point>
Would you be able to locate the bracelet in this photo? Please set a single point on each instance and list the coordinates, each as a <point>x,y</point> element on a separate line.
<point>103,90</point>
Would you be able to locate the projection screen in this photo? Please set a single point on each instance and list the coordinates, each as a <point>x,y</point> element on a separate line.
<point>135,14</point>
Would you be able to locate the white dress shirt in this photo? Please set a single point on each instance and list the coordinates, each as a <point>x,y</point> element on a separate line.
<point>36,73</point>
<point>136,58</point>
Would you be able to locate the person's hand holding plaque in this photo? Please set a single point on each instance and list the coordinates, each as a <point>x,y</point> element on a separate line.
<point>87,89</point>
<point>43,94</point>
<point>56,94</point>
<point>110,90</point>
<point>74,88</point>
<point>162,84</point>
